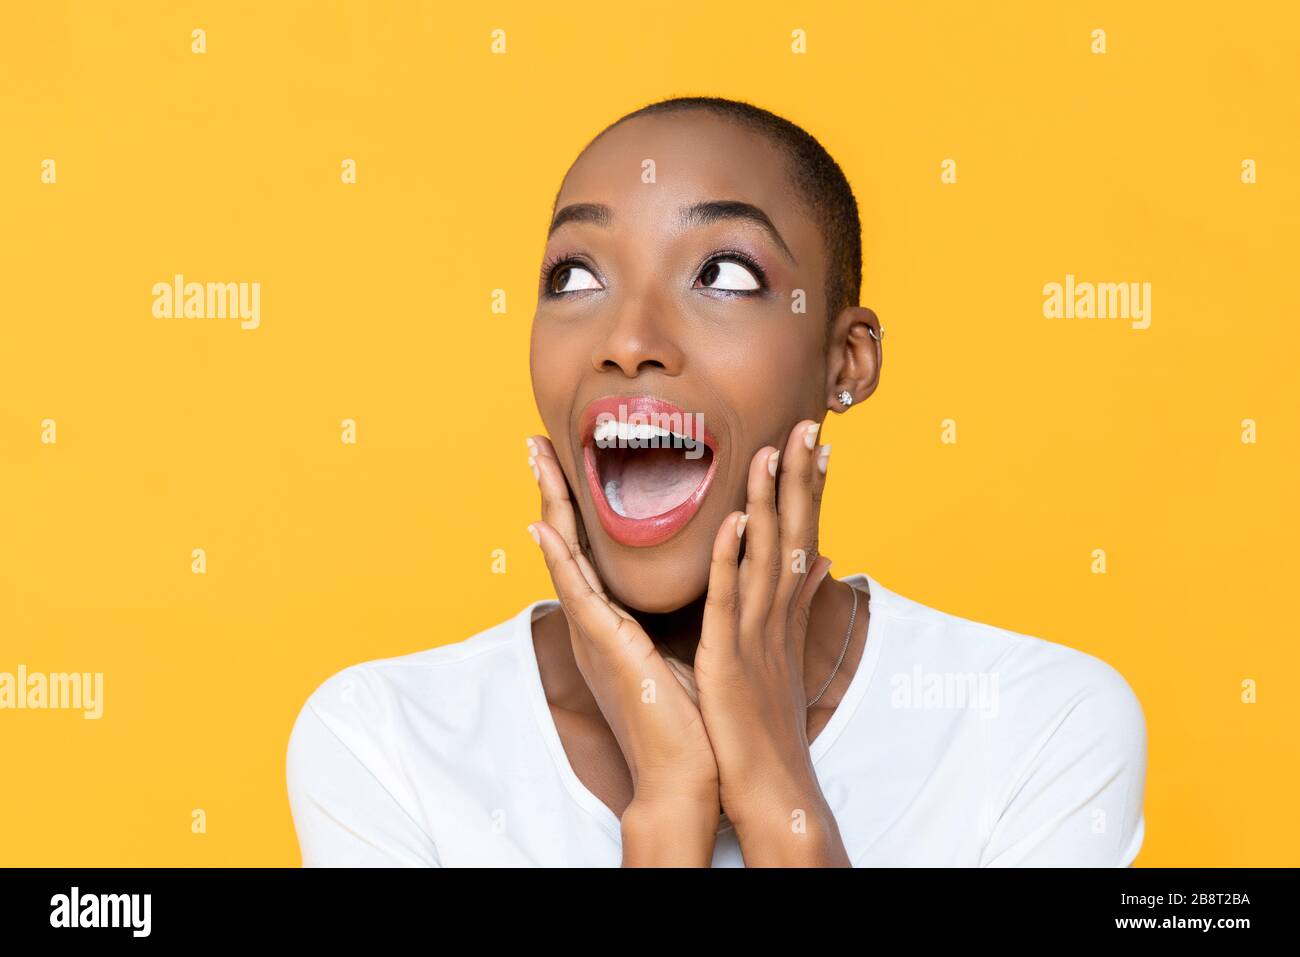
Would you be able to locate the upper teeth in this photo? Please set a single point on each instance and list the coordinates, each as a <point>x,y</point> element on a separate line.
<point>621,432</point>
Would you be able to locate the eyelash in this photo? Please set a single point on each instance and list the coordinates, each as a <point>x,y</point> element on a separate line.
<point>553,263</point>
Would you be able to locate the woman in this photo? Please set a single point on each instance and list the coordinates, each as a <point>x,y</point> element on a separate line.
<point>704,692</point>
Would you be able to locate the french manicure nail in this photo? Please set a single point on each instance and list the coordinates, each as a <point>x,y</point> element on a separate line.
<point>532,464</point>
<point>823,458</point>
<point>740,525</point>
<point>810,435</point>
<point>532,530</point>
<point>532,446</point>
<point>771,463</point>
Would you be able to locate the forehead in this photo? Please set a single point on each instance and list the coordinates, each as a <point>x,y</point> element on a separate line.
<point>697,157</point>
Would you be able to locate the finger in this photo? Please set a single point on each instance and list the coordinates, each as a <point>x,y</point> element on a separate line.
<point>801,609</point>
<point>821,462</point>
<point>796,517</point>
<point>574,531</point>
<point>721,603</point>
<point>557,505</point>
<point>761,565</point>
<point>585,607</point>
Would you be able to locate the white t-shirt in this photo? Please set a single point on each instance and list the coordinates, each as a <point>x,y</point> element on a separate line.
<point>956,744</point>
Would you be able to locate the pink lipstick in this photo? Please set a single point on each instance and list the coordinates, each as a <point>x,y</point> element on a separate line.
<point>648,463</point>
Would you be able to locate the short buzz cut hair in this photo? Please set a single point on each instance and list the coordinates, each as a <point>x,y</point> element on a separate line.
<point>817,179</point>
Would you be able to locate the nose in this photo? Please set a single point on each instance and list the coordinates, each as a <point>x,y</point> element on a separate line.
<point>639,337</point>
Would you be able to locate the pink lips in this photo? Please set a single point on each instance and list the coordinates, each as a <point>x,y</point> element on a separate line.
<point>639,532</point>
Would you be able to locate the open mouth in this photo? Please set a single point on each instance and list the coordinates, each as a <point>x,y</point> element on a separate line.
<point>648,465</point>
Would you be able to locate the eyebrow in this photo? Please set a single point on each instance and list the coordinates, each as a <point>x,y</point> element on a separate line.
<point>697,214</point>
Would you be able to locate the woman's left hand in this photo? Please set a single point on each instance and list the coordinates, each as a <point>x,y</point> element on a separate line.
<point>748,667</point>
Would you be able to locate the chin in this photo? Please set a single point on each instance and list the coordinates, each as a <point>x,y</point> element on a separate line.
<point>657,583</point>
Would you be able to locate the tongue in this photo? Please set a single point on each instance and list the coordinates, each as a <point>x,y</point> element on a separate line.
<point>647,482</point>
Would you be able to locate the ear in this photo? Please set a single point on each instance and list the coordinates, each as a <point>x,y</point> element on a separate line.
<point>853,356</point>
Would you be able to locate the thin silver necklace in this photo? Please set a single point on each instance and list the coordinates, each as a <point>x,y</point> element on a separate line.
<point>843,651</point>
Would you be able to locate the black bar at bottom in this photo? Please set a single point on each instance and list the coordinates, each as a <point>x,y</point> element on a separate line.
<point>452,908</point>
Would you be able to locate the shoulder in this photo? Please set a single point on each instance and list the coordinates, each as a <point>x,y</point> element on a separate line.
<point>1034,677</point>
<point>358,793</point>
<point>1063,735</point>
<point>371,706</point>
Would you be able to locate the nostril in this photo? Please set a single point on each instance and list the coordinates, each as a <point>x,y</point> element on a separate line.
<point>613,365</point>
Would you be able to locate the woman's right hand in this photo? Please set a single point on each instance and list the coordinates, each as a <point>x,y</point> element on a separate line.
<point>657,724</point>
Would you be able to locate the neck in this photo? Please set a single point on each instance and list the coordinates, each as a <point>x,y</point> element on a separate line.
<point>678,632</point>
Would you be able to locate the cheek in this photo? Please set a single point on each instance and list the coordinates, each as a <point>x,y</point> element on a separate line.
<point>769,381</point>
<point>555,365</point>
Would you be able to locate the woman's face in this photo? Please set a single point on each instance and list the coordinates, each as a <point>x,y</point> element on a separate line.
<point>648,303</point>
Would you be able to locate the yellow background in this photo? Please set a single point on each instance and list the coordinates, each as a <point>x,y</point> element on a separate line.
<point>175,434</point>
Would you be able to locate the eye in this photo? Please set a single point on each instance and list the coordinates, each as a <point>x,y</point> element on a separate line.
<point>565,273</point>
<point>732,273</point>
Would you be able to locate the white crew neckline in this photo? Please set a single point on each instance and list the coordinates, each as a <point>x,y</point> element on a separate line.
<point>585,798</point>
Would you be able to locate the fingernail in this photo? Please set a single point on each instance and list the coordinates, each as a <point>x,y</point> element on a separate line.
<point>823,457</point>
<point>771,463</point>
<point>532,446</point>
<point>532,530</point>
<point>532,464</point>
<point>810,435</point>
<point>740,525</point>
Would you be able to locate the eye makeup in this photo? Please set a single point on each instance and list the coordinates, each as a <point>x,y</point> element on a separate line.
<point>554,263</point>
<point>552,266</point>
<point>743,259</point>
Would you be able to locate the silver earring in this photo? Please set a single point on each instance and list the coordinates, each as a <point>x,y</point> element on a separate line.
<point>875,335</point>
<point>845,397</point>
